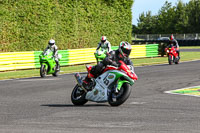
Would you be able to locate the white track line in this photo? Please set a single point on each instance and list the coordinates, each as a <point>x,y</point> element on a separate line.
<point>169,92</point>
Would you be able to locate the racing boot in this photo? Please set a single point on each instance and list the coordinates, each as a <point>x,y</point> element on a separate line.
<point>87,83</point>
<point>57,66</point>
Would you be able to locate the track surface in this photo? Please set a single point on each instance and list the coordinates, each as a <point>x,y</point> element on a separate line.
<point>44,105</point>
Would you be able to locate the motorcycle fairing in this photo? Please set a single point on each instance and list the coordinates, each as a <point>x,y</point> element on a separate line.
<point>103,82</point>
<point>48,62</point>
<point>122,74</point>
<point>99,93</point>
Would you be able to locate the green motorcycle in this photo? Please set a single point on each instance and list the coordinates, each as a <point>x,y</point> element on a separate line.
<point>100,55</point>
<point>48,64</point>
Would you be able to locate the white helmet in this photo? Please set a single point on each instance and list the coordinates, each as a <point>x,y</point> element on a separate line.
<point>51,42</point>
<point>103,39</point>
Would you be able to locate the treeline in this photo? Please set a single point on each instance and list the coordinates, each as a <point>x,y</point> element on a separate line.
<point>181,18</point>
<point>27,25</point>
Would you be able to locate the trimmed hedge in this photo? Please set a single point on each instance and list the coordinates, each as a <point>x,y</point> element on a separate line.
<point>27,25</point>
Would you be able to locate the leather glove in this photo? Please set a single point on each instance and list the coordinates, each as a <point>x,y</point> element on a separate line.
<point>115,64</point>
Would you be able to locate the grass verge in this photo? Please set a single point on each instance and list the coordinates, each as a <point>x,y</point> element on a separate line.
<point>191,47</point>
<point>185,56</point>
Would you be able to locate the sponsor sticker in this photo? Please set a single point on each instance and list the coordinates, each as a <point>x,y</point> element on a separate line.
<point>190,91</point>
<point>110,76</point>
<point>96,92</point>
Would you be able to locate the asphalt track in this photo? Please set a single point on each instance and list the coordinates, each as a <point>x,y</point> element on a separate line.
<point>35,105</point>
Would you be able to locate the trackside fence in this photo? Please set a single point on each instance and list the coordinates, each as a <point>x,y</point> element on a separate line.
<point>30,59</point>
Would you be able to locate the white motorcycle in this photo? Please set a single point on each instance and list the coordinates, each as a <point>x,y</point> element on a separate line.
<point>111,86</point>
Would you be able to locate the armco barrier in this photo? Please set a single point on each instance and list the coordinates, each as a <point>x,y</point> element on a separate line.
<point>152,50</point>
<point>29,60</point>
<point>16,60</point>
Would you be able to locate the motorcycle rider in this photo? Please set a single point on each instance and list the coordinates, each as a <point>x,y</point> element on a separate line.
<point>112,58</point>
<point>52,46</point>
<point>104,44</point>
<point>174,43</point>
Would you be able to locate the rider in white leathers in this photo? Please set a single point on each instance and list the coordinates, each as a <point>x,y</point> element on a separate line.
<point>52,46</point>
<point>104,44</point>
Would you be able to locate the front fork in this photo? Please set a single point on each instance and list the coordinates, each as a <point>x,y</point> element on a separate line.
<point>45,66</point>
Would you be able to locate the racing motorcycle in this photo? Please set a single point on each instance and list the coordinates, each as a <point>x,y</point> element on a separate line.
<point>100,55</point>
<point>48,64</point>
<point>112,86</point>
<point>172,55</point>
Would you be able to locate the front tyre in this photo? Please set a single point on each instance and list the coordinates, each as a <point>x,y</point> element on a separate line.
<point>78,96</point>
<point>121,96</point>
<point>43,71</point>
<point>170,59</point>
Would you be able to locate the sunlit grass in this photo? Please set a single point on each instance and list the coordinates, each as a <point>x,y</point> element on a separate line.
<point>190,47</point>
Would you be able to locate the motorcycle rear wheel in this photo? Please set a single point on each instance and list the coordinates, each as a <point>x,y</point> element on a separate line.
<point>55,74</point>
<point>43,71</point>
<point>78,96</point>
<point>121,97</point>
<point>177,61</point>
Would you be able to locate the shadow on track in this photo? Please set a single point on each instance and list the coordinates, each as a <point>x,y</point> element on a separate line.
<point>71,105</point>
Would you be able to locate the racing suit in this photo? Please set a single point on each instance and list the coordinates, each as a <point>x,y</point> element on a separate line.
<point>104,46</point>
<point>54,48</point>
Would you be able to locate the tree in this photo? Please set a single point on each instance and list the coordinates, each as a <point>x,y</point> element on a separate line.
<point>182,18</point>
<point>193,9</point>
<point>146,23</point>
<point>166,19</point>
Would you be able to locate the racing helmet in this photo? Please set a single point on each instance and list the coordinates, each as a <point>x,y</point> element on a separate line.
<point>103,39</point>
<point>172,37</point>
<point>124,49</point>
<point>51,42</point>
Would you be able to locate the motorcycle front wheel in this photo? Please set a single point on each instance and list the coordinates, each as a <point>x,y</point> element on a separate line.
<point>119,98</point>
<point>78,96</point>
<point>43,71</point>
<point>170,59</point>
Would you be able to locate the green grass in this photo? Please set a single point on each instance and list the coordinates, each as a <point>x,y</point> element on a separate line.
<point>190,47</point>
<point>185,56</point>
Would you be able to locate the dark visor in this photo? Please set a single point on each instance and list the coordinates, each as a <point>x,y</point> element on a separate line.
<point>126,51</point>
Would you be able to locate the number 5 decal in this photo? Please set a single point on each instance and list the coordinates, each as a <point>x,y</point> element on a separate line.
<point>105,81</point>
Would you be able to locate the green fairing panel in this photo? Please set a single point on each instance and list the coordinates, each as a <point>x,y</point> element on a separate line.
<point>120,83</point>
<point>121,74</point>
